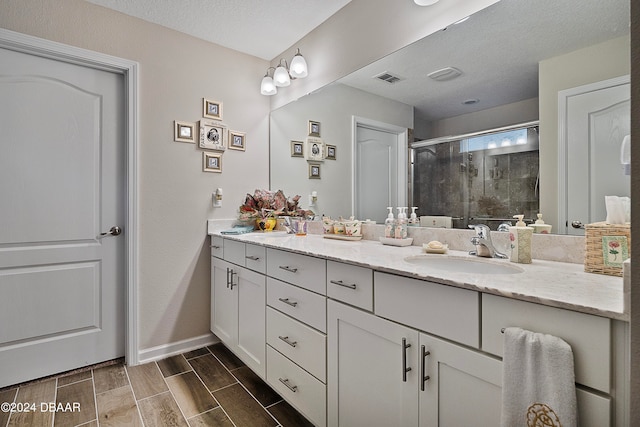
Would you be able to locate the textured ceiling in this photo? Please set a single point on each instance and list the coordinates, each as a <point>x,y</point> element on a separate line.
<point>498,50</point>
<point>262,28</point>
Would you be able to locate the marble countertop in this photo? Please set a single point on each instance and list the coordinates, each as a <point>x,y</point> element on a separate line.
<point>557,284</point>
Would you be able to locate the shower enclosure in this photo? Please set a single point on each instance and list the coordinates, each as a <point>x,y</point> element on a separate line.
<point>485,177</point>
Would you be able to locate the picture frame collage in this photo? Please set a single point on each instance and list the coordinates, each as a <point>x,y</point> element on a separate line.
<point>313,149</point>
<point>211,134</point>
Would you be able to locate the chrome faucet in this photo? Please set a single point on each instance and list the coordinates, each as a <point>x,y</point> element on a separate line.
<point>483,244</point>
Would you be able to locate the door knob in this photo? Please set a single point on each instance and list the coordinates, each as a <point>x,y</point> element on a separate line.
<point>114,231</point>
<point>577,224</point>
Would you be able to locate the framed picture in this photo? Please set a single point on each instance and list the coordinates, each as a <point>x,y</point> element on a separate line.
<point>314,150</point>
<point>213,135</point>
<point>212,162</point>
<point>314,171</point>
<point>330,152</point>
<point>184,132</point>
<point>314,128</point>
<point>211,109</point>
<point>236,140</point>
<point>297,149</point>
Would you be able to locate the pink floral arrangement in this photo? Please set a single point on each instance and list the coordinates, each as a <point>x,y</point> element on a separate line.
<point>265,204</point>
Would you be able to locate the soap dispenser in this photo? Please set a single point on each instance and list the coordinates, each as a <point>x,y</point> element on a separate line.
<point>389,224</point>
<point>413,219</point>
<point>401,224</point>
<point>520,237</point>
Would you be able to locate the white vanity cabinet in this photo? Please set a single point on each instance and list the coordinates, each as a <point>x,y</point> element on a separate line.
<point>373,370</point>
<point>347,345</point>
<point>238,300</point>
<point>296,331</point>
<point>458,386</point>
<point>384,373</point>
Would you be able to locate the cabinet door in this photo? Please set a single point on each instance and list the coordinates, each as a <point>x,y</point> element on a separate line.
<point>366,382</point>
<point>224,302</point>
<point>464,387</point>
<point>251,329</point>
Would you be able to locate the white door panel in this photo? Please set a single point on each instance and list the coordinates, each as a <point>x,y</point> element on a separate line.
<point>596,119</point>
<point>380,171</point>
<point>62,183</point>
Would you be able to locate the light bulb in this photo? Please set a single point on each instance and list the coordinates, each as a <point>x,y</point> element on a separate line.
<point>298,67</point>
<point>267,87</point>
<point>281,77</point>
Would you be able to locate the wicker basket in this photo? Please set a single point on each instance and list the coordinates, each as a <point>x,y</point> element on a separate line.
<point>606,247</point>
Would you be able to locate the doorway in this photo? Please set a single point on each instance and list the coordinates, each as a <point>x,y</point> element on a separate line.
<point>66,180</point>
<point>380,168</point>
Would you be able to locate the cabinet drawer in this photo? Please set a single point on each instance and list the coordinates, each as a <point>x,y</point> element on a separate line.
<point>300,343</point>
<point>350,284</point>
<point>255,258</point>
<point>441,310</point>
<point>589,336</point>
<point>234,251</point>
<point>298,303</point>
<point>298,387</point>
<point>593,410</point>
<point>217,246</point>
<point>301,270</point>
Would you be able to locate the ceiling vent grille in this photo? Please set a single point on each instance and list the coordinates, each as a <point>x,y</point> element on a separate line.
<point>388,77</point>
<point>443,74</point>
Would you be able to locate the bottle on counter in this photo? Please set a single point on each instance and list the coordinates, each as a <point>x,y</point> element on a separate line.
<point>413,219</point>
<point>401,224</point>
<point>520,238</point>
<point>389,224</point>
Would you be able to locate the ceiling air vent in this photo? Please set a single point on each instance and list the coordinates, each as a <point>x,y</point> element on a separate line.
<point>388,77</point>
<point>443,74</point>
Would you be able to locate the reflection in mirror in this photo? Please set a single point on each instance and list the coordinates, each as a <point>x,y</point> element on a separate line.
<point>514,58</point>
<point>482,178</point>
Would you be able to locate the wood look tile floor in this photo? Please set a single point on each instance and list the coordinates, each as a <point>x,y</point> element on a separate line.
<point>205,387</point>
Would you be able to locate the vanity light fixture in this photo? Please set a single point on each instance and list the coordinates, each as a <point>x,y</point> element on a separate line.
<point>268,87</point>
<point>425,2</point>
<point>283,74</point>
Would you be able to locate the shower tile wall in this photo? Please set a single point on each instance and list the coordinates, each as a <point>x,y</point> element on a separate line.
<point>475,186</point>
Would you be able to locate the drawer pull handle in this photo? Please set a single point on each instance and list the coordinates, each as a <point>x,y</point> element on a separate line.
<point>341,283</point>
<point>425,377</point>
<point>285,381</point>
<point>215,246</point>
<point>286,301</point>
<point>289,269</point>
<point>405,368</point>
<point>252,257</point>
<point>286,339</point>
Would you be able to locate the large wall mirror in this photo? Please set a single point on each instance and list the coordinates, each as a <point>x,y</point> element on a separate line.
<point>504,68</point>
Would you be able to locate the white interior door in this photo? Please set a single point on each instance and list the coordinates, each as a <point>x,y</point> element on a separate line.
<point>596,119</point>
<point>380,170</point>
<point>62,183</point>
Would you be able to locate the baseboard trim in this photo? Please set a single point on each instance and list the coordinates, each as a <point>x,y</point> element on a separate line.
<point>178,347</point>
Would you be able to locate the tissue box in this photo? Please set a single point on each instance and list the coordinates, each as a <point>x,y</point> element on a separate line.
<point>606,247</point>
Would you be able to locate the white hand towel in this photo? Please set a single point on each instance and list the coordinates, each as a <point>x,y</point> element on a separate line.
<point>538,381</point>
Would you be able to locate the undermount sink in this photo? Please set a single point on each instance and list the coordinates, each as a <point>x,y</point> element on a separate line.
<point>456,264</point>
